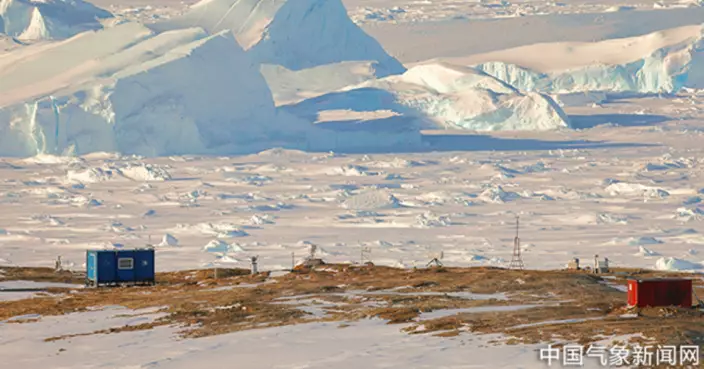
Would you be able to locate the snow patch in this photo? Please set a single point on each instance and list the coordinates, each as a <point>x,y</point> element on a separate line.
<point>644,241</point>
<point>608,218</point>
<point>92,175</point>
<point>115,171</point>
<point>685,214</point>
<point>221,230</point>
<point>351,171</point>
<point>371,200</point>
<point>220,246</point>
<point>168,240</point>
<point>145,172</point>
<point>623,188</point>
<point>496,194</point>
<point>642,251</point>
<point>431,220</point>
<point>260,219</point>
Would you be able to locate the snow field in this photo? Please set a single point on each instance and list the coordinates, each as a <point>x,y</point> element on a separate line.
<point>198,211</point>
<point>370,343</point>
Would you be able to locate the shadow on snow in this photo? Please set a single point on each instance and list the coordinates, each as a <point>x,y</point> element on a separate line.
<point>479,142</point>
<point>620,120</point>
<point>373,99</point>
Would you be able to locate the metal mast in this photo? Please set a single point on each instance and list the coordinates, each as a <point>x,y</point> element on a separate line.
<point>516,260</point>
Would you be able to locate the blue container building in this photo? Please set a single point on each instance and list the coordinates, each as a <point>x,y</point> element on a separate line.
<point>120,267</point>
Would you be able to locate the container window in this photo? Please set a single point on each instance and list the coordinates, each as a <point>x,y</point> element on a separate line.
<point>125,263</point>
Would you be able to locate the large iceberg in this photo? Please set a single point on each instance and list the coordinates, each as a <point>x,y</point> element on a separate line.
<point>187,86</point>
<point>296,34</point>
<point>32,20</point>
<point>441,96</point>
<point>129,90</point>
<point>661,62</point>
<point>674,264</point>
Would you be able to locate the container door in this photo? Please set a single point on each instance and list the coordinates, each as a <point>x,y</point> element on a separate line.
<point>667,293</point>
<point>647,294</point>
<point>670,293</point>
<point>91,263</point>
<point>678,293</point>
<point>125,266</point>
<point>632,293</point>
<point>144,265</point>
<point>105,266</point>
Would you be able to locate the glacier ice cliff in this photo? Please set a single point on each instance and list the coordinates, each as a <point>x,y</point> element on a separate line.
<point>294,34</point>
<point>666,70</point>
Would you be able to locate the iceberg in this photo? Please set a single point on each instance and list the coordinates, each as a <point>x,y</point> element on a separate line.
<point>296,35</point>
<point>441,96</point>
<point>177,92</point>
<point>34,20</point>
<point>660,62</point>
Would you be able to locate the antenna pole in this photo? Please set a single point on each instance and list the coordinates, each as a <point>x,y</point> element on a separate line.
<point>516,259</point>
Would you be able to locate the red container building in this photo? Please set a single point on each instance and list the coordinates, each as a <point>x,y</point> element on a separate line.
<point>660,292</point>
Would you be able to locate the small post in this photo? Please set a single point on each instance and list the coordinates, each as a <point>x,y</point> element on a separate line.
<point>254,264</point>
<point>596,263</point>
<point>215,272</point>
<point>293,260</point>
<point>597,266</point>
<point>57,266</point>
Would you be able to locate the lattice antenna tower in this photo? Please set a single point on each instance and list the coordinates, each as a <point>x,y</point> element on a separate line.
<point>366,254</point>
<point>516,259</point>
<point>436,259</point>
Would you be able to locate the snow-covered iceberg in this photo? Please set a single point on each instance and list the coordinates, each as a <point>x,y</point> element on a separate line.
<point>186,86</point>
<point>289,86</point>
<point>674,264</point>
<point>296,34</point>
<point>660,62</point>
<point>129,90</point>
<point>441,96</point>
<point>32,20</point>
